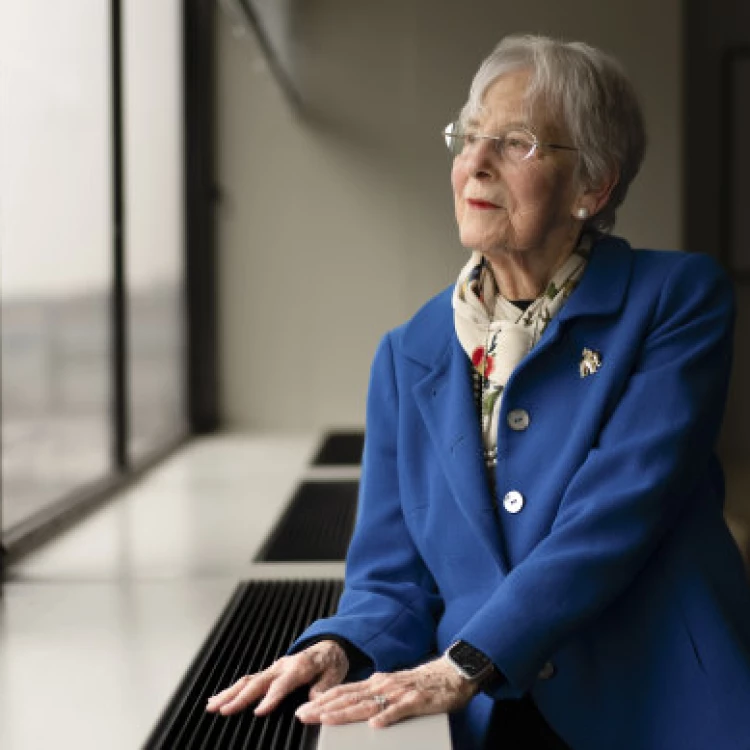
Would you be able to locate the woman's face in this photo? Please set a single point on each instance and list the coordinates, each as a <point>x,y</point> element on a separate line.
<point>502,206</point>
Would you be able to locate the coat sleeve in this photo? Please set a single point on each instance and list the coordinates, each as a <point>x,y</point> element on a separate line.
<point>632,487</point>
<point>390,603</point>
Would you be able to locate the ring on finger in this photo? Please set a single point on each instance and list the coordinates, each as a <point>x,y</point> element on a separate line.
<point>381,701</point>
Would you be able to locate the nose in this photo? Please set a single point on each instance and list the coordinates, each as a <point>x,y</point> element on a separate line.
<point>479,160</point>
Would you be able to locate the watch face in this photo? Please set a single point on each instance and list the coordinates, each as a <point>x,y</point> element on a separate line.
<point>469,659</point>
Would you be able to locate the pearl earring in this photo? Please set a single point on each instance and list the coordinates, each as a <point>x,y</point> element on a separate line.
<point>582,213</point>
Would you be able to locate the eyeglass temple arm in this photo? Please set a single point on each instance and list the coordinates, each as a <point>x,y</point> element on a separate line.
<point>557,145</point>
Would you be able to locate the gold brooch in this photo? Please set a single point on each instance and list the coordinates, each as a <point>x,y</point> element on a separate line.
<point>591,361</point>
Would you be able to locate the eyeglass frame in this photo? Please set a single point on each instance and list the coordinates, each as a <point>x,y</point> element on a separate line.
<point>500,139</point>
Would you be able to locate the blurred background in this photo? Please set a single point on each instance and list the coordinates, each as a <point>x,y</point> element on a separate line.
<point>211,211</point>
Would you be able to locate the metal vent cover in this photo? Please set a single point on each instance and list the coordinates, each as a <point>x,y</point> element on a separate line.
<point>257,626</point>
<point>316,526</point>
<point>341,448</point>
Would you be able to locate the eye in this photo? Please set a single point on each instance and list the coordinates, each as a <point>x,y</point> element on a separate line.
<point>517,145</point>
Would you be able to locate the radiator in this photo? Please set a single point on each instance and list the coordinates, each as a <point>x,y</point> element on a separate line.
<point>257,626</point>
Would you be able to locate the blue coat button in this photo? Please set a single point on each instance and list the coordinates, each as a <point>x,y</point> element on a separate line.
<point>547,671</point>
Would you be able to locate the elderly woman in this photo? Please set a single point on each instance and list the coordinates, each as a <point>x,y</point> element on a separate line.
<point>540,548</point>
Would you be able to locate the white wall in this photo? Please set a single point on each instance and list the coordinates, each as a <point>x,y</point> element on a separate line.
<point>336,227</point>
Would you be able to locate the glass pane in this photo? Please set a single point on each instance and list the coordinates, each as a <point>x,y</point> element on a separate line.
<point>154,237</point>
<point>56,246</point>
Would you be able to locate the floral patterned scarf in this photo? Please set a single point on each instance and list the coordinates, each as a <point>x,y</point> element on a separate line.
<point>496,334</point>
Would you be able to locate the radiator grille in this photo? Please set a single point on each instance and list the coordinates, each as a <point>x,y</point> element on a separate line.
<point>341,448</point>
<point>317,525</point>
<point>257,626</point>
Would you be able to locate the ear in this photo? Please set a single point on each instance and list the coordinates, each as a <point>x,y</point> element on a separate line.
<point>593,198</point>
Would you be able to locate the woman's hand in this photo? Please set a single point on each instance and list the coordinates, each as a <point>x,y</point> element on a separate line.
<point>323,664</point>
<point>384,699</point>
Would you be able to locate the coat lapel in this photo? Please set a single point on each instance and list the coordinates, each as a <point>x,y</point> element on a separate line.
<point>444,396</point>
<point>601,291</point>
<point>445,400</point>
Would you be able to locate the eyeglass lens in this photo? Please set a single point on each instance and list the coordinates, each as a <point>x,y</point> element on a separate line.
<point>515,146</point>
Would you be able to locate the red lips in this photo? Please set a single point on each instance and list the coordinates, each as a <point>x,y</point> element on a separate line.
<point>480,204</point>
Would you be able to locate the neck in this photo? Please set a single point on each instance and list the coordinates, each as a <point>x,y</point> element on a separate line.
<point>525,274</point>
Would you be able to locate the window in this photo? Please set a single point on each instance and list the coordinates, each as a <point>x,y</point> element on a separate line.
<point>56,245</point>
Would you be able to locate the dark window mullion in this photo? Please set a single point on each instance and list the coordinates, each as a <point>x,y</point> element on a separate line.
<point>201,271</point>
<point>120,400</point>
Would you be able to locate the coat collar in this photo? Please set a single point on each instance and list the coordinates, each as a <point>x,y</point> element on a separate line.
<point>444,397</point>
<point>428,336</point>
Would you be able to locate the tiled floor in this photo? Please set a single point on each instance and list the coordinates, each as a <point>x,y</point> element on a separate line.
<point>98,628</point>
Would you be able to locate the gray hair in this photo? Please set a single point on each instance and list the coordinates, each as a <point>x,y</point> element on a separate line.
<point>594,98</point>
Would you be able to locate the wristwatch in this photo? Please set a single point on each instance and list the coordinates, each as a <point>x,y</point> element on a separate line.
<point>470,662</point>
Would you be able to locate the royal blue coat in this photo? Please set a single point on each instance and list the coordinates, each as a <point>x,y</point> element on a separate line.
<point>616,595</point>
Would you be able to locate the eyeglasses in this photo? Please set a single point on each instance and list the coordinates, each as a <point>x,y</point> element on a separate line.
<point>515,146</point>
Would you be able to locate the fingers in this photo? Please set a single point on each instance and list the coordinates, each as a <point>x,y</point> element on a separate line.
<point>239,696</point>
<point>384,699</point>
<point>325,659</point>
<point>330,679</point>
<point>339,709</point>
<point>279,689</point>
<point>352,702</point>
<point>408,705</point>
<point>383,708</point>
<point>215,702</point>
<point>360,690</point>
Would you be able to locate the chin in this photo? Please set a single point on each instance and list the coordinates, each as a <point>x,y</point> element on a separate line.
<point>482,243</point>
<point>482,237</point>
